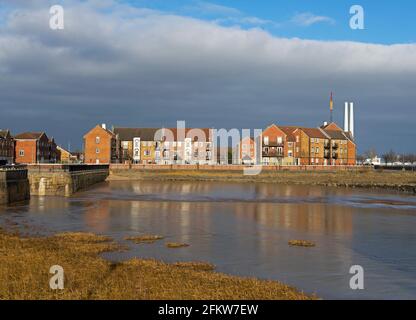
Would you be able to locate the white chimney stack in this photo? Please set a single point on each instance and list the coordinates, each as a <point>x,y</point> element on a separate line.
<point>104,126</point>
<point>346,122</point>
<point>351,120</point>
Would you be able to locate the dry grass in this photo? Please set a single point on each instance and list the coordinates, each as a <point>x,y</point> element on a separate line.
<point>25,263</point>
<point>148,238</point>
<point>198,266</point>
<point>175,245</point>
<point>301,243</point>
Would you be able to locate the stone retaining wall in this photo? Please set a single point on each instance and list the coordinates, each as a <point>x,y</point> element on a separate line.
<point>14,185</point>
<point>64,180</point>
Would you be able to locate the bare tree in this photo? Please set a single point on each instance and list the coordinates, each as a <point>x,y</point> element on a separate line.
<point>390,156</point>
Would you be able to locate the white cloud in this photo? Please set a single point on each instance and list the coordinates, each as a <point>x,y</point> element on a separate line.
<point>308,19</point>
<point>138,67</point>
<point>209,8</point>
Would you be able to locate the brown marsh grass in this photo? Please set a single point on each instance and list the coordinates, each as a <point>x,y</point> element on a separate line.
<point>25,264</point>
<point>301,243</point>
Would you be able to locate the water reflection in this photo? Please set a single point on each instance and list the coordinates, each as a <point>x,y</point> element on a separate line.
<point>244,229</point>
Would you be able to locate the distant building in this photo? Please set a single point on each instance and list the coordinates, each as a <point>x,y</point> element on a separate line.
<point>65,156</point>
<point>246,152</point>
<point>34,147</point>
<point>291,145</point>
<point>138,145</point>
<point>166,145</point>
<point>101,146</point>
<point>6,147</point>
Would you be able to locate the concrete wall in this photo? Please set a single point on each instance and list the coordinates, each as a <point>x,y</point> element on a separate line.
<point>156,167</point>
<point>64,180</point>
<point>14,185</point>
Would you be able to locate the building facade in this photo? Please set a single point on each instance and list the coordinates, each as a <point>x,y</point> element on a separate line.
<point>246,151</point>
<point>101,146</point>
<point>7,144</point>
<point>291,145</point>
<point>34,147</point>
<point>166,145</point>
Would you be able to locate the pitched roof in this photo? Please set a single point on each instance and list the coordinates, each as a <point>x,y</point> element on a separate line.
<point>314,133</point>
<point>63,149</point>
<point>29,135</point>
<point>101,128</point>
<point>331,126</point>
<point>127,134</point>
<point>349,136</point>
<point>289,132</point>
<point>149,134</point>
<point>4,133</point>
<point>335,134</point>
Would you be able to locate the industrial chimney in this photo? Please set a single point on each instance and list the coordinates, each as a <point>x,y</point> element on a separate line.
<point>351,120</point>
<point>346,122</point>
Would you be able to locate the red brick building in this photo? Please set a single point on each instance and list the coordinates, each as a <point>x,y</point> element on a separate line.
<point>246,151</point>
<point>34,147</point>
<point>6,147</point>
<point>101,146</point>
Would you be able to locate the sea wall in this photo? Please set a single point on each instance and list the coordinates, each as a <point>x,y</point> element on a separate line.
<point>14,185</point>
<point>64,179</point>
<point>331,176</point>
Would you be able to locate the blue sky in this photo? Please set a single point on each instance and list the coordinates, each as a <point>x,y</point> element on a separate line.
<point>387,22</point>
<point>223,64</point>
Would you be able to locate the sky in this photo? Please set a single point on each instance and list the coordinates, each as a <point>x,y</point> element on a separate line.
<point>222,64</point>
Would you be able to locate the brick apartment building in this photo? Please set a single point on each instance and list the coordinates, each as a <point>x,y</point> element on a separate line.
<point>246,151</point>
<point>35,147</point>
<point>6,147</point>
<point>290,145</point>
<point>166,145</point>
<point>101,146</point>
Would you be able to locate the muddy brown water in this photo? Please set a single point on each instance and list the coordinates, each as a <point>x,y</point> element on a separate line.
<point>244,229</point>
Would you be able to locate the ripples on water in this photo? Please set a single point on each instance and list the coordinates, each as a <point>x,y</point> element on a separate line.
<point>244,230</point>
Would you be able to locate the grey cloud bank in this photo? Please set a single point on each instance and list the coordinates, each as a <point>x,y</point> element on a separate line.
<point>137,67</point>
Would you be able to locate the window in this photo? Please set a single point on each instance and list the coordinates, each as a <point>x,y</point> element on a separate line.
<point>179,144</point>
<point>317,150</point>
<point>22,153</point>
<point>279,140</point>
<point>312,160</point>
<point>147,153</point>
<point>97,150</point>
<point>97,140</point>
<point>297,138</point>
<point>266,141</point>
<point>317,161</point>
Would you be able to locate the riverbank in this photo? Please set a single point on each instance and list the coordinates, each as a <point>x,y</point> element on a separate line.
<point>365,178</point>
<point>25,263</point>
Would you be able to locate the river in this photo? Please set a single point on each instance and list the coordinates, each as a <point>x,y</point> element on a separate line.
<point>244,229</point>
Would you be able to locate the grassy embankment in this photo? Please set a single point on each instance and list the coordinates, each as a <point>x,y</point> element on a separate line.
<point>365,178</point>
<point>25,263</point>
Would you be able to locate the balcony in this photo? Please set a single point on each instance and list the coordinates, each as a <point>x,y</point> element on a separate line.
<point>275,144</point>
<point>273,153</point>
